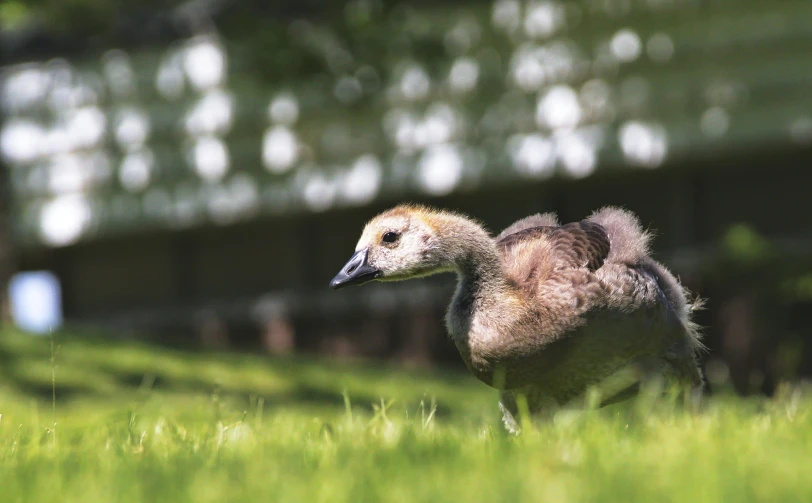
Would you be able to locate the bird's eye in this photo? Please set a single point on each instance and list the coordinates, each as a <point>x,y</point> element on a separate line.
<point>390,237</point>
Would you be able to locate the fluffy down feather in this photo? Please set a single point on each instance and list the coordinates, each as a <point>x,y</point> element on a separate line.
<point>629,243</point>
<point>537,220</point>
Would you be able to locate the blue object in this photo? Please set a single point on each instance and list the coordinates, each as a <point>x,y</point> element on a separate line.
<point>36,301</point>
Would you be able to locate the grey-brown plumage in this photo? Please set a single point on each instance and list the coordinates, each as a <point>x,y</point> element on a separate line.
<point>543,309</point>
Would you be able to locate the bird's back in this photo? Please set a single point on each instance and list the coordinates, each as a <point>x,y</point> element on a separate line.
<point>596,302</point>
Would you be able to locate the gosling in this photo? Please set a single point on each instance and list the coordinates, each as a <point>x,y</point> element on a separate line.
<point>544,311</point>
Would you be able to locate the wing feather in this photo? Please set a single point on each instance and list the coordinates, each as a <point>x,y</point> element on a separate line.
<point>537,220</point>
<point>575,245</point>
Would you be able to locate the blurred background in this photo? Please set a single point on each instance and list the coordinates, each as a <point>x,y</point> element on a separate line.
<point>193,173</point>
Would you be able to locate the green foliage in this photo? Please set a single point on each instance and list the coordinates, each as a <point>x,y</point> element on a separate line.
<point>13,14</point>
<point>744,245</point>
<point>206,427</point>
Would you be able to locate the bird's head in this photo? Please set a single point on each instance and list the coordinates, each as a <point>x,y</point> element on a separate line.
<point>398,244</point>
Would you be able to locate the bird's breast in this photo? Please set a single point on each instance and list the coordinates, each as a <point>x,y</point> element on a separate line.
<point>486,338</point>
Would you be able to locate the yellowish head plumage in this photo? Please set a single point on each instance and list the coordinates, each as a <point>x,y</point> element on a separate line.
<point>409,241</point>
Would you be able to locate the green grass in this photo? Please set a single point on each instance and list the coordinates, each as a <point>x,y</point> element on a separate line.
<point>137,424</point>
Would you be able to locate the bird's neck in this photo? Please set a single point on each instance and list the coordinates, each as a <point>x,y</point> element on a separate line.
<point>469,250</point>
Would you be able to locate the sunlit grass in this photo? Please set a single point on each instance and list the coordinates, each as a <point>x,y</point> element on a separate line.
<point>132,423</point>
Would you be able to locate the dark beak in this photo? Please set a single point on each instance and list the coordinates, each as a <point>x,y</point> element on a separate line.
<point>356,271</point>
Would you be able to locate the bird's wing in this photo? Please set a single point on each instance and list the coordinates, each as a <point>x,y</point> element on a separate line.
<point>586,317</point>
<point>537,220</point>
<point>574,245</point>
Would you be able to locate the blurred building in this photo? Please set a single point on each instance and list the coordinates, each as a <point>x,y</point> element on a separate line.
<point>203,180</point>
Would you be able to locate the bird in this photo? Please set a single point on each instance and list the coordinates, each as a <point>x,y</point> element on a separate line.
<point>544,311</point>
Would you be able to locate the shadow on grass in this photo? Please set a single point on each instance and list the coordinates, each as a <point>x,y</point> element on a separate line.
<point>90,368</point>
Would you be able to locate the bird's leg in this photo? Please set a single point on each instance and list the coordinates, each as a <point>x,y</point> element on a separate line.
<point>509,421</point>
<point>523,405</point>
